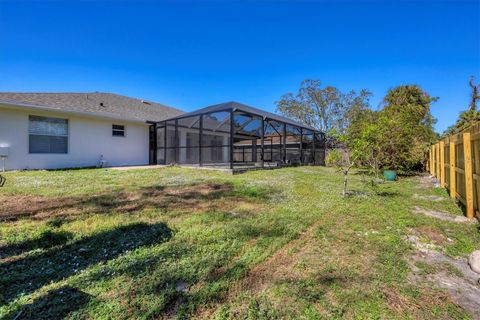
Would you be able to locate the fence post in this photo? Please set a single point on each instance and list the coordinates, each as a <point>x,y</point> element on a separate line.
<point>432,166</point>
<point>430,160</point>
<point>437,162</point>
<point>467,154</point>
<point>430,163</point>
<point>442,164</point>
<point>453,174</point>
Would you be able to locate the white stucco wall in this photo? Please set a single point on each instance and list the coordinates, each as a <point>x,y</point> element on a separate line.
<point>89,138</point>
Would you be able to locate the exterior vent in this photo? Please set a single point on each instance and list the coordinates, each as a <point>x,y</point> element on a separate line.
<point>101,104</point>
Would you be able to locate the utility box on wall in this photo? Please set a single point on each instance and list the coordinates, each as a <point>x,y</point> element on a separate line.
<point>3,152</point>
<point>3,156</point>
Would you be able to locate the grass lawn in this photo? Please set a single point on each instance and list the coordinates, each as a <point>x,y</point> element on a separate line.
<point>186,243</point>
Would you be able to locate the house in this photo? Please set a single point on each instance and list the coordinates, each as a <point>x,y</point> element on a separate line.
<point>64,130</point>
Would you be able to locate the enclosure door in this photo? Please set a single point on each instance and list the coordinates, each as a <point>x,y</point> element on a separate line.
<point>152,157</point>
<point>245,150</point>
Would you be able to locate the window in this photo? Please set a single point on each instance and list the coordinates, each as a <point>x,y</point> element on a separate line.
<point>47,135</point>
<point>118,130</point>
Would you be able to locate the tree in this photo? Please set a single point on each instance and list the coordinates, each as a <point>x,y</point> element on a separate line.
<point>469,117</point>
<point>362,149</point>
<point>369,146</point>
<point>475,94</point>
<point>324,108</point>
<point>344,162</point>
<point>405,125</point>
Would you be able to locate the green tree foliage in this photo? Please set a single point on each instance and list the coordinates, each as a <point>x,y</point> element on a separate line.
<point>397,136</point>
<point>324,108</point>
<point>469,117</point>
<point>405,125</point>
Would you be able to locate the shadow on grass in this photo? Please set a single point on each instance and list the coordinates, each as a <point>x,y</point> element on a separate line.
<point>56,304</point>
<point>191,285</point>
<point>388,194</point>
<point>26,275</point>
<point>47,239</point>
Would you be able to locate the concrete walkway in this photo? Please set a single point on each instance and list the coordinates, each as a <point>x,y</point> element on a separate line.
<point>165,166</point>
<point>137,167</point>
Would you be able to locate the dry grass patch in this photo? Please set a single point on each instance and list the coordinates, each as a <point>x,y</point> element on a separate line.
<point>200,197</point>
<point>432,234</point>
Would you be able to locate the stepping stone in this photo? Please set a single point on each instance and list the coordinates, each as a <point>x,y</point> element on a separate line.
<point>431,198</point>
<point>443,216</point>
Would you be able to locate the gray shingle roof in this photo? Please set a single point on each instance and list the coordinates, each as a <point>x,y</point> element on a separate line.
<point>96,103</point>
<point>248,109</point>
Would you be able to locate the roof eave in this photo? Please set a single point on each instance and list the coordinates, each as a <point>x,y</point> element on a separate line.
<point>58,110</point>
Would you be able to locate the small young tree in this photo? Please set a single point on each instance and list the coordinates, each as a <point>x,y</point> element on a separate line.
<point>344,162</point>
<point>356,148</point>
<point>364,136</point>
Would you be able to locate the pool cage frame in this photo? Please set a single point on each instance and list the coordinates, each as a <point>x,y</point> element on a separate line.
<point>257,139</point>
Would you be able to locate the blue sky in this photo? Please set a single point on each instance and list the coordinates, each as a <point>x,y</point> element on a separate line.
<point>193,54</point>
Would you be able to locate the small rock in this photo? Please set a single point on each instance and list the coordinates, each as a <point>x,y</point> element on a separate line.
<point>474,261</point>
<point>181,286</point>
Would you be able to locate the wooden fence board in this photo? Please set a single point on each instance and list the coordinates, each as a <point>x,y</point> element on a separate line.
<point>442,164</point>
<point>452,182</point>
<point>455,162</point>
<point>467,150</point>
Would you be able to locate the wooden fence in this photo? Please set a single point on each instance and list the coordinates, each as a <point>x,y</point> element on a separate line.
<point>455,162</point>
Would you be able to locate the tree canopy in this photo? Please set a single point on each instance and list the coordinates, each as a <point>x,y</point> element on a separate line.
<point>470,116</point>
<point>324,108</point>
<point>395,137</point>
<point>405,125</point>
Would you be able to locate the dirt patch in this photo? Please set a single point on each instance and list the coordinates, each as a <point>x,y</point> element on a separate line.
<point>432,234</point>
<point>199,197</point>
<point>16,207</point>
<point>397,302</point>
<point>303,261</point>
<point>462,286</point>
<point>443,216</point>
<point>413,307</point>
<point>429,198</point>
<point>428,181</point>
<point>278,266</point>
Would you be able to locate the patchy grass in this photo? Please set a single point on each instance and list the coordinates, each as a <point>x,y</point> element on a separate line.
<point>186,243</point>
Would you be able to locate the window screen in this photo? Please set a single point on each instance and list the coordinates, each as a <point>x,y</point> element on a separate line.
<point>48,135</point>
<point>118,130</point>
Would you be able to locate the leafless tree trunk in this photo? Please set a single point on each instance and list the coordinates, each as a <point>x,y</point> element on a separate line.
<point>475,95</point>
<point>345,178</point>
